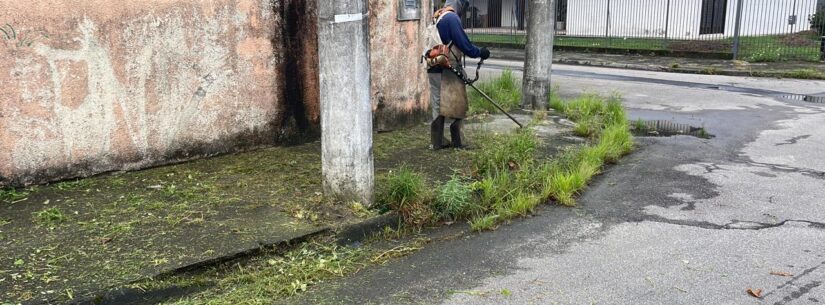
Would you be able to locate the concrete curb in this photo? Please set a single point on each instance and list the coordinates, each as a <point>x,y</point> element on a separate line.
<point>510,55</point>
<point>359,232</point>
<point>345,235</point>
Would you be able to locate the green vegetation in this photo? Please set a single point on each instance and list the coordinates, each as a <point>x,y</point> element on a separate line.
<point>505,89</point>
<point>12,195</point>
<point>504,152</point>
<point>455,199</point>
<point>802,46</point>
<point>277,277</point>
<point>49,217</point>
<point>485,222</point>
<point>582,42</point>
<point>818,20</point>
<point>509,178</point>
<point>799,46</point>
<point>805,74</point>
<point>74,185</point>
<point>639,125</point>
<point>407,193</point>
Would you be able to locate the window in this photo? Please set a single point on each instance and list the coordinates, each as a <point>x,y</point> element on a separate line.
<point>714,13</point>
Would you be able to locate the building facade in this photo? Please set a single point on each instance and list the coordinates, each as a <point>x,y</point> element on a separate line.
<point>94,86</point>
<point>676,19</point>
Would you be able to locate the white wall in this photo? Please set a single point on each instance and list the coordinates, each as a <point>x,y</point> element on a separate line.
<point>586,17</point>
<point>648,18</point>
<point>766,17</point>
<point>634,18</point>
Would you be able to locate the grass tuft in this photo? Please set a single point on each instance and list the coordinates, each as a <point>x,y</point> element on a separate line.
<point>49,217</point>
<point>554,100</point>
<point>616,141</point>
<point>505,152</point>
<point>454,199</point>
<point>505,89</point>
<point>12,195</point>
<point>805,74</point>
<point>483,223</point>
<point>406,192</point>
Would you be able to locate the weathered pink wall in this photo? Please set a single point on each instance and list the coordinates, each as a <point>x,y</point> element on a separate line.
<point>399,82</point>
<point>91,86</point>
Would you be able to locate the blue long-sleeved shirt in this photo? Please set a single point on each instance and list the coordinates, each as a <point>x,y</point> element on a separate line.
<point>451,30</point>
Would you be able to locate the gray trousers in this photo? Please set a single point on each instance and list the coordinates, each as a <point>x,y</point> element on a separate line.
<point>435,95</point>
<point>436,127</point>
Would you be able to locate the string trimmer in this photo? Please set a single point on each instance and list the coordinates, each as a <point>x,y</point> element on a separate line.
<point>459,71</point>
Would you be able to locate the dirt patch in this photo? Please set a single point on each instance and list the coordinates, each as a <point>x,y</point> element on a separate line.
<point>801,39</point>
<point>701,46</point>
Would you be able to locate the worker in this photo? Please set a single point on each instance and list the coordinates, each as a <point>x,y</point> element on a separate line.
<point>448,94</point>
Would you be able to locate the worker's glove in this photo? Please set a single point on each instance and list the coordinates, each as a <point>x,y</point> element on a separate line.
<point>485,53</point>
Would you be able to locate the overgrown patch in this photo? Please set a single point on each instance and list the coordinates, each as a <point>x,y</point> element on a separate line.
<point>455,199</point>
<point>508,176</point>
<point>805,74</point>
<point>505,89</point>
<point>49,217</point>
<point>406,192</point>
<point>12,195</point>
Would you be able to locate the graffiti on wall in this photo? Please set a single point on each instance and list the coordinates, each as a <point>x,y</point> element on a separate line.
<point>106,99</point>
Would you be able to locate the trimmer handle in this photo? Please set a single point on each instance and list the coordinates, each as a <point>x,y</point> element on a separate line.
<point>480,62</point>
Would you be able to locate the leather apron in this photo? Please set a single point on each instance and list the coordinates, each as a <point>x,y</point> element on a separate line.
<point>454,103</point>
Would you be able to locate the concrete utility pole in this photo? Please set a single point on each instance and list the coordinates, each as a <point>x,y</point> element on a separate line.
<point>541,19</point>
<point>346,111</point>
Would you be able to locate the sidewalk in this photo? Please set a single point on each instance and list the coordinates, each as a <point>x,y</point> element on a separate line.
<point>71,239</point>
<point>77,239</point>
<point>801,70</point>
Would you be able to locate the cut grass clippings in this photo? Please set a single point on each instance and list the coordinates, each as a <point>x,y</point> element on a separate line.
<point>275,277</point>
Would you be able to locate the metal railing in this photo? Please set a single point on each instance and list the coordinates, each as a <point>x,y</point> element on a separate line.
<point>752,30</point>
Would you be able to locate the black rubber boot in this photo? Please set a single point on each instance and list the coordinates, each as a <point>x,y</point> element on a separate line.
<point>437,133</point>
<point>456,134</point>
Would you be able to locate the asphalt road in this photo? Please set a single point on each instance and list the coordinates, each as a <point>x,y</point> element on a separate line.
<point>683,220</point>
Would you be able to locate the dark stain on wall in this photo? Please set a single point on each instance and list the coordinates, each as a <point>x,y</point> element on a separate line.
<point>300,104</point>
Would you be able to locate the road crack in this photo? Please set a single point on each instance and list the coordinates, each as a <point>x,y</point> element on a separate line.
<point>801,291</point>
<point>794,140</point>
<point>789,169</point>
<point>735,225</point>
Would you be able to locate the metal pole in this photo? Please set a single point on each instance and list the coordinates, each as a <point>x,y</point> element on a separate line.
<point>539,54</point>
<point>822,48</point>
<point>737,31</point>
<point>607,21</point>
<point>667,21</point>
<point>346,109</point>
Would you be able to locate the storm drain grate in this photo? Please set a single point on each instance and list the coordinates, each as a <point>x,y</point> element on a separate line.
<point>662,128</point>
<point>810,98</point>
